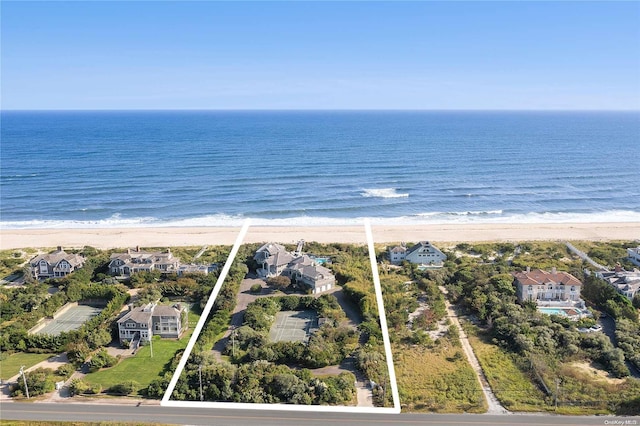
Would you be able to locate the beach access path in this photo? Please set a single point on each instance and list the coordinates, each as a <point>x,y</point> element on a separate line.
<point>494,406</point>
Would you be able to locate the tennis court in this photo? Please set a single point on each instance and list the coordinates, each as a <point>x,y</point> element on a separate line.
<point>72,319</point>
<point>293,326</point>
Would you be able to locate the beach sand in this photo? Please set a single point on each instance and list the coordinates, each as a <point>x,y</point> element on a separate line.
<point>166,237</point>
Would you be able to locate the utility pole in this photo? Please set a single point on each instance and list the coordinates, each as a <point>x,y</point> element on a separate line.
<point>233,341</point>
<point>557,392</point>
<point>200,379</point>
<point>151,344</point>
<point>24,377</point>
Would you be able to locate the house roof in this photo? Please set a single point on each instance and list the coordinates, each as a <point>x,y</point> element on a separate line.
<point>398,249</point>
<point>540,277</point>
<point>139,315</point>
<point>58,256</point>
<point>271,248</point>
<point>423,244</point>
<point>144,314</point>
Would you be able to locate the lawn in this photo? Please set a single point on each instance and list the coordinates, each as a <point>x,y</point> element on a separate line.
<point>11,366</point>
<point>437,379</point>
<point>142,367</point>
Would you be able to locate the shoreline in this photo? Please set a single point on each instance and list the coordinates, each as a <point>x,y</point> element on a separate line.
<point>107,238</point>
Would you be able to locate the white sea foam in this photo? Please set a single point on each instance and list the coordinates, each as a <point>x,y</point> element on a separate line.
<point>426,218</point>
<point>383,193</point>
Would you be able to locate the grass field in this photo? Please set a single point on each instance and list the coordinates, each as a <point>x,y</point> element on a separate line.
<point>512,387</point>
<point>11,366</point>
<point>437,379</point>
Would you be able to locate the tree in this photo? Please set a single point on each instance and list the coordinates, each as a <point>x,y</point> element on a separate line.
<point>279,282</point>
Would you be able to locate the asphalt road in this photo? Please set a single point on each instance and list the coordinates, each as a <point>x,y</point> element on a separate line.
<point>226,417</point>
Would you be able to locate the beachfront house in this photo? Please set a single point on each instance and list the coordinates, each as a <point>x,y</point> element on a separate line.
<point>634,255</point>
<point>306,271</point>
<point>624,282</point>
<point>151,320</point>
<point>274,260</point>
<point>54,265</point>
<point>132,261</point>
<point>397,254</point>
<point>542,286</point>
<point>425,253</point>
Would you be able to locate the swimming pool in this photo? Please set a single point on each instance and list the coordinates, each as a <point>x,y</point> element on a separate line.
<point>553,311</point>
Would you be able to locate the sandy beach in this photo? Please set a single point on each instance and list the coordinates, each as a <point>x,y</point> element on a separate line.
<point>161,237</point>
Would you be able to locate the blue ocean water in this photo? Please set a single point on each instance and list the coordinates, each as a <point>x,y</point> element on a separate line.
<point>201,168</point>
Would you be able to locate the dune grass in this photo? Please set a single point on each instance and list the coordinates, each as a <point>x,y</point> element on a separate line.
<point>437,378</point>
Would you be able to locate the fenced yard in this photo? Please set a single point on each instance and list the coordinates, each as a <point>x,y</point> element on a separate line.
<point>293,326</point>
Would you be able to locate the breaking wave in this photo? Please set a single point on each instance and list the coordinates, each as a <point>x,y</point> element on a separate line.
<point>383,193</point>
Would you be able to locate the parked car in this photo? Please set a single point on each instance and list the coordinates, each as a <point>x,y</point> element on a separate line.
<point>595,328</point>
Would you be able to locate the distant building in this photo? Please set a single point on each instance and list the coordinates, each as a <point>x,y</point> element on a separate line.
<point>151,320</point>
<point>626,283</point>
<point>542,286</point>
<point>54,265</point>
<point>136,260</point>
<point>423,253</point>
<point>275,260</point>
<point>397,254</point>
<point>634,255</point>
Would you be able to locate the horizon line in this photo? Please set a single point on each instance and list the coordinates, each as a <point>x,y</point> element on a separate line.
<point>310,110</point>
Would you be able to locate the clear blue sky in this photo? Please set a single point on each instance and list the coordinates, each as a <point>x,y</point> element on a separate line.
<point>326,55</point>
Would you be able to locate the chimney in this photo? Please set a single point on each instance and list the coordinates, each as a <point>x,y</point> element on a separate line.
<point>128,251</point>
<point>138,249</point>
<point>528,269</point>
<point>618,267</point>
<point>553,270</point>
<point>59,248</point>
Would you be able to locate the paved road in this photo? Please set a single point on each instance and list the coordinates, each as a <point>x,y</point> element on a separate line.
<point>212,416</point>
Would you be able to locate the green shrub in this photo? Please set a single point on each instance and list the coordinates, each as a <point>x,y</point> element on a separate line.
<point>126,388</point>
<point>256,288</point>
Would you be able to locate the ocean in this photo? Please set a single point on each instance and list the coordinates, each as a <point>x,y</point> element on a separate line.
<point>85,169</point>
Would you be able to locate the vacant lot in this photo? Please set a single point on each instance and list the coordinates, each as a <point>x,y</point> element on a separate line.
<point>11,366</point>
<point>72,319</point>
<point>293,326</point>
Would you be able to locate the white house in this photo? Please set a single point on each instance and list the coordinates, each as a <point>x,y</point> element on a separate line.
<point>55,264</point>
<point>397,254</point>
<point>540,286</point>
<point>151,320</point>
<point>634,255</point>
<point>626,283</point>
<point>425,253</point>
<point>273,259</point>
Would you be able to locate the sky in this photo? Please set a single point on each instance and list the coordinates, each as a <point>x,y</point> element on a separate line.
<point>320,55</point>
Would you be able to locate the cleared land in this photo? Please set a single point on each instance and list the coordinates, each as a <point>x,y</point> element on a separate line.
<point>11,366</point>
<point>70,320</point>
<point>293,326</point>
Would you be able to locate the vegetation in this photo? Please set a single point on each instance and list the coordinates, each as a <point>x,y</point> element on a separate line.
<point>39,382</point>
<point>543,348</point>
<point>10,364</point>
<point>261,382</point>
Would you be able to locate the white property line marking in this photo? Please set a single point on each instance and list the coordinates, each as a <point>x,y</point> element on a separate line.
<point>166,402</point>
<point>205,313</point>
<point>383,318</point>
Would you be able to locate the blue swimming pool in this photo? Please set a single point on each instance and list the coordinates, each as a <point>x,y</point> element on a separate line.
<point>553,311</point>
